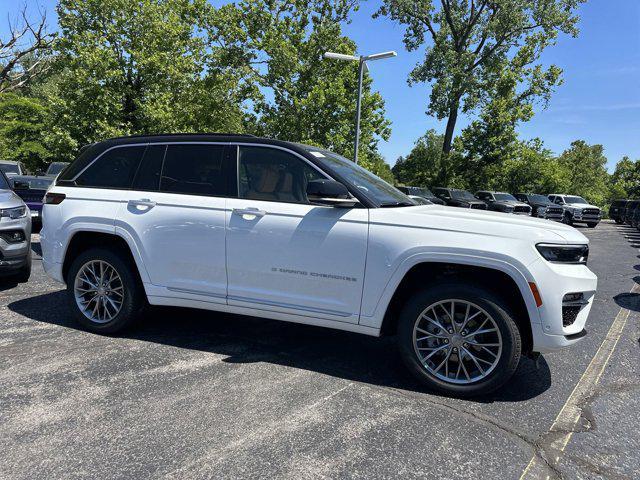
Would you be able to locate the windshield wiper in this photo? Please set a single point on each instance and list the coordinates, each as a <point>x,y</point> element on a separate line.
<point>397,204</point>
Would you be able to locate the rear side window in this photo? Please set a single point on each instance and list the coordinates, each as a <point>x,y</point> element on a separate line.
<point>194,169</point>
<point>114,169</point>
<point>148,176</point>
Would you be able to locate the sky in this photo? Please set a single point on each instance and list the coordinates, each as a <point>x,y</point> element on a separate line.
<point>599,101</point>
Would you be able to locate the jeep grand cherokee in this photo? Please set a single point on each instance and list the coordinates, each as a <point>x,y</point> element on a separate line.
<point>296,233</point>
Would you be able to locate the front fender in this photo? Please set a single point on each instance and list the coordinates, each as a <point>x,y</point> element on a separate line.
<point>374,306</point>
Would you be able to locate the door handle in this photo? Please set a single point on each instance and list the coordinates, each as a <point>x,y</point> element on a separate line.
<point>249,213</point>
<point>143,202</point>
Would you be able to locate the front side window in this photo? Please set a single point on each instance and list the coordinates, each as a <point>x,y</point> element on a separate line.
<point>114,169</point>
<point>194,169</point>
<point>273,175</point>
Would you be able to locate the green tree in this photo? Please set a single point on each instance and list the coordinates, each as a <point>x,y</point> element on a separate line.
<point>625,180</point>
<point>473,42</point>
<point>586,168</point>
<point>22,130</point>
<point>278,45</point>
<point>139,67</point>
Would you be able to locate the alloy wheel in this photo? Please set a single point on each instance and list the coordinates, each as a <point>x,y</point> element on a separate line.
<point>99,291</point>
<point>457,341</point>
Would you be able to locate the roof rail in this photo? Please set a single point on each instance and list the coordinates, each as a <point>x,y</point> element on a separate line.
<point>199,134</point>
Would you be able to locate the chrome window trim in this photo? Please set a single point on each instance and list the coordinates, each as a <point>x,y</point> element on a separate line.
<point>142,145</point>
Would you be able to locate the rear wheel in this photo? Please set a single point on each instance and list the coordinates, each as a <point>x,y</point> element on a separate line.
<point>103,291</point>
<point>459,339</point>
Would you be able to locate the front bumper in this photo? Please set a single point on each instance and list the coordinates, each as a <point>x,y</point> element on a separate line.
<point>578,217</point>
<point>15,255</point>
<point>554,281</point>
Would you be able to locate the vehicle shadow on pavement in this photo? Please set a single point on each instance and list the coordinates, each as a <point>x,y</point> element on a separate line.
<point>245,339</point>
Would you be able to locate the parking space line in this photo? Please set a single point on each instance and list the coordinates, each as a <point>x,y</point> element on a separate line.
<point>565,423</point>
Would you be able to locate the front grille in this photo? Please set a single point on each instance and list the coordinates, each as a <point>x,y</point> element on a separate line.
<point>479,206</point>
<point>591,211</point>
<point>522,208</point>
<point>554,211</point>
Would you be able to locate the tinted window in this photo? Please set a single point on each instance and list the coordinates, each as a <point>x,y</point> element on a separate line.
<point>148,176</point>
<point>273,175</point>
<point>114,169</point>
<point>504,196</point>
<point>4,185</point>
<point>193,169</point>
<point>10,168</point>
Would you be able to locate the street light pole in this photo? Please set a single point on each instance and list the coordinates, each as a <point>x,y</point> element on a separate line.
<point>362,64</point>
<point>358,101</point>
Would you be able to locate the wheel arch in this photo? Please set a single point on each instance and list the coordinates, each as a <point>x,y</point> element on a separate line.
<point>501,278</point>
<point>82,240</point>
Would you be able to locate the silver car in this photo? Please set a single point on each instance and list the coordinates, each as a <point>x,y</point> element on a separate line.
<point>15,234</point>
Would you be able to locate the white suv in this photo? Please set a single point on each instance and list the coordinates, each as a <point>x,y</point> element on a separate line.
<point>290,232</point>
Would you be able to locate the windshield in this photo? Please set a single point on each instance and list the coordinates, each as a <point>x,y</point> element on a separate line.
<point>539,199</point>
<point>372,186</point>
<point>571,199</point>
<point>423,192</point>
<point>10,168</point>
<point>4,185</point>
<point>56,168</point>
<point>36,183</point>
<point>505,196</point>
<point>462,195</point>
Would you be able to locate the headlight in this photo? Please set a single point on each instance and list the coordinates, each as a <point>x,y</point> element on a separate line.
<point>508,208</point>
<point>576,254</point>
<point>17,212</point>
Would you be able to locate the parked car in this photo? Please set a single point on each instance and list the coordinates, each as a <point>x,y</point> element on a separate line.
<point>9,167</point>
<point>616,210</point>
<point>55,168</point>
<point>629,210</point>
<point>503,202</point>
<point>459,198</point>
<point>541,206</point>
<point>15,234</point>
<point>32,189</point>
<point>635,217</point>
<point>577,210</point>
<point>421,192</point>
<point>272,229</point>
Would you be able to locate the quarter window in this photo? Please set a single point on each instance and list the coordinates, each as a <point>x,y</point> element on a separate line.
<point>114,169</point>
<point>273,175</point>
<point>194,169</point>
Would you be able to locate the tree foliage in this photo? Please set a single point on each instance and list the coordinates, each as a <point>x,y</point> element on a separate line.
<point>625,180</point>
<point>471,44</point>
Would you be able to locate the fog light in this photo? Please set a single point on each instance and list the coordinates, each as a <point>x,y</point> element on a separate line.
<point>573,297</point>
<point>13,236</point>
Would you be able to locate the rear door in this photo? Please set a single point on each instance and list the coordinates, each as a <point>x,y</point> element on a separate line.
<point>175,213</point>
<point>285,254</point>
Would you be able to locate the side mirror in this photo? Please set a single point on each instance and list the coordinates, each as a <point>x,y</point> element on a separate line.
<point>329,192</point>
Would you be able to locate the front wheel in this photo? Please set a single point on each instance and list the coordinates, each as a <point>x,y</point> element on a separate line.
<point>459,339</point>
<point>567,219</point>
<point>103,291</point>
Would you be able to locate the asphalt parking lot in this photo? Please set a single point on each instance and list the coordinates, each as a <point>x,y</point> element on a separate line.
<point>191,394</point>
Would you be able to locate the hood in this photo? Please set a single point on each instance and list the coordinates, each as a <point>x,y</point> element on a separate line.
<point>581,205</point>
<point>511,203</point>
<point>480,222</point>
<point>8,199</point>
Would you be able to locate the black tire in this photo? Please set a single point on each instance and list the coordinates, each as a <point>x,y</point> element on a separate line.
<point>592,224</point>
<point>619,221</point>
<point>488,301</point>
<point>567,219</point>
<point>134,299</point>
<point>25,272</point>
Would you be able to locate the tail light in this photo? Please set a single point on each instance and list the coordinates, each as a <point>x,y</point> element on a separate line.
<point>54,198</point>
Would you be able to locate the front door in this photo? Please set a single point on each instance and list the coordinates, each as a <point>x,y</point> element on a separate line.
<point>175,213</point>
<point>284,254</point>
